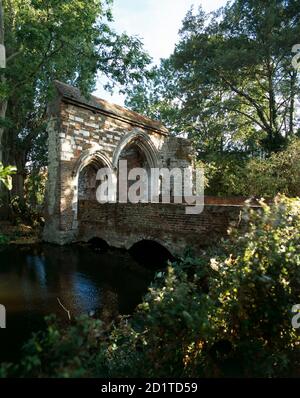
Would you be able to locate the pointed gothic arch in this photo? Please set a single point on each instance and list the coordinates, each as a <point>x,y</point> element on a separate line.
<point>92,157</point>
<point>142,141</point>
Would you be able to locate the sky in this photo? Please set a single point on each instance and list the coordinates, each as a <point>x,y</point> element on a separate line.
<point>157,23</point>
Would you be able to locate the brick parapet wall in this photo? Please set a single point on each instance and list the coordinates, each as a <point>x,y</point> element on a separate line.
<point>122,225</point>
<point>75,131</point>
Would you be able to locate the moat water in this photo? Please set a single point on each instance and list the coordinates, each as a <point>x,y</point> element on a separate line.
<point>36,281</point>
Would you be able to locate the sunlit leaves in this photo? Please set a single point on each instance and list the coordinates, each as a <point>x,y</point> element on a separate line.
<point>5,175</point>
<point>232,75</point>
<point>72,41</point>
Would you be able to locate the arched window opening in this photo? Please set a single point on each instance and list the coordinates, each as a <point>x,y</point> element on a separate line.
<point>136,159</point>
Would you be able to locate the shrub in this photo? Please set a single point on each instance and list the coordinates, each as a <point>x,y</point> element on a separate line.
<point>280,173</point>
<point>225,174</point>
<point>22,212</point>
<point>256,286</point>
<point>233,175</point>
<point>225,314</point>
<point>60,352</point>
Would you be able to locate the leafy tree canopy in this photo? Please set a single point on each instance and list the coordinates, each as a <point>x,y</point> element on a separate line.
<point>230,79</point>
<point>68,40</point>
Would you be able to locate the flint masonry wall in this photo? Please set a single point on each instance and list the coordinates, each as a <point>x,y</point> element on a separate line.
<point>84,132</point>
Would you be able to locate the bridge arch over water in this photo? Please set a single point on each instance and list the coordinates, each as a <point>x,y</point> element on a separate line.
<point>86,134</point>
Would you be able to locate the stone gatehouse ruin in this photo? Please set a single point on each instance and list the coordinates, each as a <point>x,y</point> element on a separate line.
<point>88,134</point>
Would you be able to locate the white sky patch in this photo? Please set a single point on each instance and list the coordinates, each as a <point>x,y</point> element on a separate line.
<point>157,23</point>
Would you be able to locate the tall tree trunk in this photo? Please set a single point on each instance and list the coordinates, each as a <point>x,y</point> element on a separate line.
<point>3,109</point>
<point>4,195</point>
<point>19,178</point>
<point>292,103</point>
<point>3,104</point>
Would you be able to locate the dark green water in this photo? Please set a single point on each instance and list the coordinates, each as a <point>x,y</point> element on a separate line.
<point>85,281</point>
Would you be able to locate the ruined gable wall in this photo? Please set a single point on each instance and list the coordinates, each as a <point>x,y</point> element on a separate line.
<point>76,131</point>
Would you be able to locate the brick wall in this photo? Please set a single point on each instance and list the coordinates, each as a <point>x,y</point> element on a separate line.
<point>122,225</point>
<point>91,133</point>
<point>84,131</point>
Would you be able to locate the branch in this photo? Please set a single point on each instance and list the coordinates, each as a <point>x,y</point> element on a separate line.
<point>259,111</point>
<point>64,308</point>
<point>248,116</point>
<point>12,56</point>
<point>46,56</point>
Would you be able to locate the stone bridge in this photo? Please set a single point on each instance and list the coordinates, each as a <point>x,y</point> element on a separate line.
<point>88,134</point>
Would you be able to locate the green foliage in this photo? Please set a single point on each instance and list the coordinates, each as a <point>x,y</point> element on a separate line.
<point>256,287</point>
<point>49,40</point>
<point>73,353</point>
<point>238,175</point>
<point>5,175</point>
<point>225,174</point>
<point>278,173</point>
<point>230,81</point>
<point>35,188</point>
<point>4,240</point>
<point>23,212</point>
<point>156,95</point>
<point>226,314</point>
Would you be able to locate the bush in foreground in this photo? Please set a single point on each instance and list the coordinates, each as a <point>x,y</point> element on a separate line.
<point>226,314</point>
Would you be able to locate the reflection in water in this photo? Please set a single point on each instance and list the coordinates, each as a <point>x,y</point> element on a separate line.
<point>33,277</point>
<point>85,293</point>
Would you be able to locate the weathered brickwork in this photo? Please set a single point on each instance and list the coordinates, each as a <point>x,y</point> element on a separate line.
<point>88,134</point>
<point>91,131</point>
<point>123,225</point>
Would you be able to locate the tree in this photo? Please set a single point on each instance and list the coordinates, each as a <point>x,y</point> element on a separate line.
<point>45,40</point>
<point>236,88</point>
<point>157,96</point>
<point>3,102</point>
